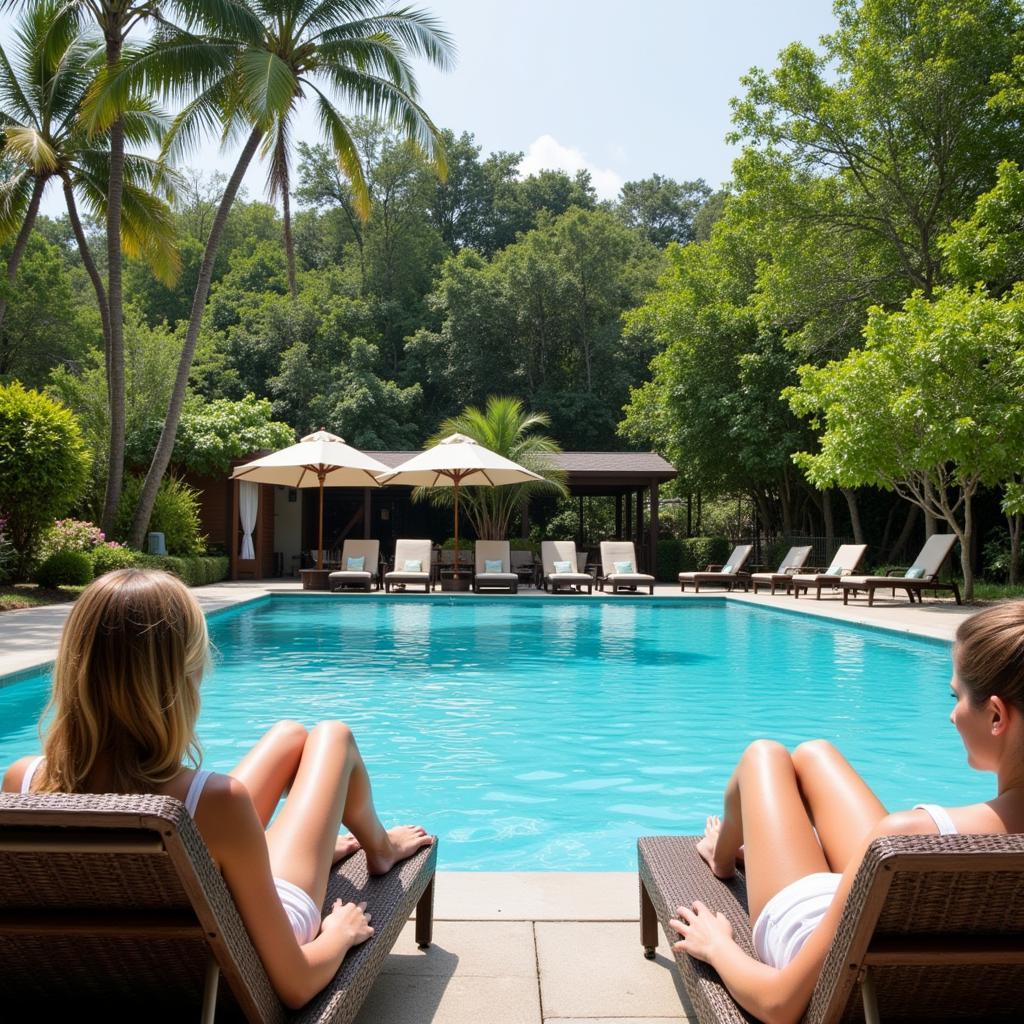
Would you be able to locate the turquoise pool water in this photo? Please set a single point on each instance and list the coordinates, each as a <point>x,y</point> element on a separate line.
<point>548,735</point>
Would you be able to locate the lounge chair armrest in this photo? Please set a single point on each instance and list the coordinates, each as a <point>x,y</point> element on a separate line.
<point>714,567</point>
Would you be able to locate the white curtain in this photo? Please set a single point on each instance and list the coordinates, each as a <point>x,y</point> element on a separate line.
<point>248,503</point>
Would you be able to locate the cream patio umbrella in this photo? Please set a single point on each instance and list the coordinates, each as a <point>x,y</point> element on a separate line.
<point>319,459</point>
<point>456,461</point>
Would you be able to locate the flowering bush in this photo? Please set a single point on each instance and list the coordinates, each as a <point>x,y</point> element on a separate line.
<point>72,535</point>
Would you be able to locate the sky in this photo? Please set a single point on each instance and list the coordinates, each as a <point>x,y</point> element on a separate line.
<point>623,90</point>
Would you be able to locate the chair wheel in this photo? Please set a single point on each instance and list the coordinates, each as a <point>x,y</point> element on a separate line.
<point>649,952</point>
<point>423,945</point>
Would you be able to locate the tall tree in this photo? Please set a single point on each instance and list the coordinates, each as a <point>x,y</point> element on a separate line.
<point>663,209</point>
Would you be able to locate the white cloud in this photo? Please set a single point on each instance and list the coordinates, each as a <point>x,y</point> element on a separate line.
<point>548,154</point>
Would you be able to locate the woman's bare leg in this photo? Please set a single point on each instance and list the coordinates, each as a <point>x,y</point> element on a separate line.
<point>332,786</point>
<point>841,804</point>
<point>268,768</point>
<point>765,814</point>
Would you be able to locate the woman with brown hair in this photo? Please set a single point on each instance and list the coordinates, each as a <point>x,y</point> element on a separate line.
<point>802,821</point>
<point>125,701</point>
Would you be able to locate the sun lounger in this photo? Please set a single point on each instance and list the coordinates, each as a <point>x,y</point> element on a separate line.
<point>564,551</point>
<point>112,909</point>
<point>933,930</point>
<point>365,553</point>
<point>497,553</point>
<point>846,559</point>
<point>727,576</point>
<point>615,556</point>
<point>412,566</point>
<point>922,575</point>
<point>795,560</point>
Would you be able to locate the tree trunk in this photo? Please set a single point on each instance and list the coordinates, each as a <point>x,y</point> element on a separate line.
<point>829,519</point>
<point>900,545</point>
<point>851,500</point>
<point>1014,523</point>
<point>165,446</point>
<point>21,242</point>
<point>931,525</point>
<point>966,548</point>
<point>90,265</point>
<point>289,241</point>
<point>115,342</point>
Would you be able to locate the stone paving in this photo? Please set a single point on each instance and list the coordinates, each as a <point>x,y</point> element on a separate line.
<point>519,947</point>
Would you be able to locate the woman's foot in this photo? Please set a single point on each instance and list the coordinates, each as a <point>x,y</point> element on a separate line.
<point>344,846</point>
<point>399,843</point>
<point>707,847</point>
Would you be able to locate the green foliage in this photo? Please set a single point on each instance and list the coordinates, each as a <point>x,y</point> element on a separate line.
<point>106,559</point>
<point>175,514</point>
<point>193,570</point>
<point>69,535</point>
<point>668,559</point>
<point>663,210</point>
<point>44,465</point>
<point>65,568</point>
<point>700,552</point>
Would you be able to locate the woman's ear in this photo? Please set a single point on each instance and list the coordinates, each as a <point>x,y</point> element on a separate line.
<point>1000,713</point>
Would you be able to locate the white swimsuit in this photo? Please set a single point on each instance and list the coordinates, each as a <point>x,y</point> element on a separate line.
<point>789,917</point>
<point>302,912</point>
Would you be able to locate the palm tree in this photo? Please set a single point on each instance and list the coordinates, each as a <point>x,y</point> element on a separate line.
<point>360,52</point>
<point>505,427</point>
<point>43,139</point>
<point>352,48</point>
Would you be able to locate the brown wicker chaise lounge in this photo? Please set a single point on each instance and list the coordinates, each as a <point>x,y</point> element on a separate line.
<point>795,560</point>
<point>497,552</point>
<point>615,555</point>
<point>933,930</point>
<point>112,909</point>
<point>921,576</point>
<point>564,552</point>
<point>408,554</point>
<point>727,575</point>
<point>366,553</point>
<point>845,560</point>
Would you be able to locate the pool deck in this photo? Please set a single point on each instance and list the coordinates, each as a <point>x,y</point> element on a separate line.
<point>519,947</point>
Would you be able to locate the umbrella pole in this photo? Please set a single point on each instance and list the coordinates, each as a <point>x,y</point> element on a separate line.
<point>320,541</point>
<point>456,525</point>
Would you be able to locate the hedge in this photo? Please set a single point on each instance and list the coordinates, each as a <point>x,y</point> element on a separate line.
<point>690,554</point>
<point>195,570</point>
<point>65,568</point>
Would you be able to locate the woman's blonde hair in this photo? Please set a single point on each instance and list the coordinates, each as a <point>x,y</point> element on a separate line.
<point>126,683</point>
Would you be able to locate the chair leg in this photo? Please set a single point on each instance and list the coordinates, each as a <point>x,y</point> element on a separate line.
<point>210,980</point>
<point>425,916</point>
<point>648,924</point>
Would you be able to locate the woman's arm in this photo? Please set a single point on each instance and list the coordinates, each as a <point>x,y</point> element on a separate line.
<point>233,831</point>
<point>772,995</point>
<point>15,774</point>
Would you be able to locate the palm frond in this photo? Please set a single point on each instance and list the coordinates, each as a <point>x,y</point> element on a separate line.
<point>422,34</point>
<point>31,148</point>
<point>268,84</point>
<point>345,152</point>
<point>225,18</point>
<point>15,193</point>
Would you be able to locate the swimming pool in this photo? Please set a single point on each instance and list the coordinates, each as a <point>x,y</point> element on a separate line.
<point>549,734</point>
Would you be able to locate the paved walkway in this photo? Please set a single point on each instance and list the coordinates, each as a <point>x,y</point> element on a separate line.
<point>529,947</point>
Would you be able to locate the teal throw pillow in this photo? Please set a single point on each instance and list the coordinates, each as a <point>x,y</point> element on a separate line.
<point>914,573</point>
<point>835,569</point>
<point>623,567</point>
<point>355,564</point>
<point>561,567</point>
<point>492,565</point>
<point>727,567</point>
<point>413,565</point>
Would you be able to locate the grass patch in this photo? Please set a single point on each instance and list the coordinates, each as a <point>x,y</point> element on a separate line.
<point>31,595</point>
<point>996,592</point>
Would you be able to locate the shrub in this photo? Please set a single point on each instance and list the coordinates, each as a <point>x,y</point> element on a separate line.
<point>194,570</point>
<point>65,568</point>
<point>775,552</point>
<point>44,466</point>
<point>70,535</point>
<point>6,550</point>
<point>108,557</point>
<point>669,559</point>
<point>175,514</point>
<point>700,552</point>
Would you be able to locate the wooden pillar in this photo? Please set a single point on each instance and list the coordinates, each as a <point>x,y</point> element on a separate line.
<point>233,529</point>
<point>618,517</point>
<point>579,532</point>
<point>652,565</point>
<point>628,496</point>
<point>367,512</point>
<point>640,523</point>
<point>524,531</point>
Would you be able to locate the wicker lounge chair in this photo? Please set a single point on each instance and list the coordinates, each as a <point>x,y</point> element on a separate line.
<point>410,553</point>
<point>366,578</point>
<point>922,575</point>
<point>846,559</point>
<point>502,579</point>
<point>795,560</point>
<point>552,551</point>
<point>621,551</point>
<point>727,575</point>
<point>933,930</point>
<point>113,910</point>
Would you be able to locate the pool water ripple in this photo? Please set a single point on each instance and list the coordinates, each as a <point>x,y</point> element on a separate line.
<point>533,735</point>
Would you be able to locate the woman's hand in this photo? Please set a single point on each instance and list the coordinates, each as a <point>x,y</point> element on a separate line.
<point>703,931</point>
<point>349,922</point>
